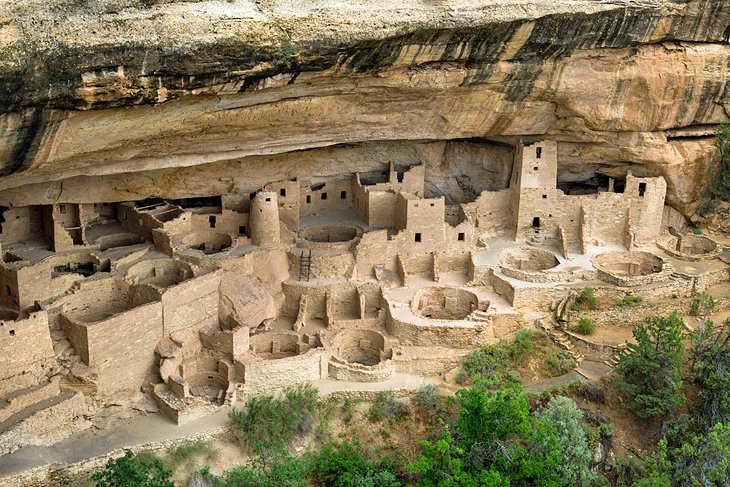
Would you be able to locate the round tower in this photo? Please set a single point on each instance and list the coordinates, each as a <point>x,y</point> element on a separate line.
<point>264,220</point>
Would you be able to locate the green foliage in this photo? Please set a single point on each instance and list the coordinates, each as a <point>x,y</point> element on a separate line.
<point>489,361</point>
<point>697,231</point>
<point>565,417</point>
<point>267,421</point>
<point>702,303</point>
<point>522,345</point>
<point>558,362</point>
<point>496,441</point>
<point>710,358</point>
<point>585,326</point>
<point>629,300</point>
<point>348,409</point>
<point>427,403</point>
<point>285,58</point>
<point>275,468</point>
<point>651,371</point>
<point>347,464</point>
<point>130,471</point>
<point>387,406</point>
<point>587,298</point>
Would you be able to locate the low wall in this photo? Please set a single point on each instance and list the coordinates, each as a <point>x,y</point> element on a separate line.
<point>352,372</point>
<point>455,334</point>
<point>270,375</point>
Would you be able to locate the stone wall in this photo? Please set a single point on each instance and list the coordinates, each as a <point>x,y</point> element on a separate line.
<point>269,375</point>
<point>24,343</point>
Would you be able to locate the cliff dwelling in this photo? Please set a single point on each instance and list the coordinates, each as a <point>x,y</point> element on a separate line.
<point>202,202</point>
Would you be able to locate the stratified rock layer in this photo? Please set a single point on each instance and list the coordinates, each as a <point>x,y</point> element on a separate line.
<point>182,99</point>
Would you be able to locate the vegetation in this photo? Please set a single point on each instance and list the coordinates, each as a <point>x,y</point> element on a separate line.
<point>348,464</point>
<point>427,403</point>
<point>721,183</point>
<point>585,326</point>
<point>522,345</point>
<point>587,298</point>
<point>130,470</point>
<point>651,373</point>
<point>387,406</point>
<point>629,300</point>
<point>558,362</point>
<point>285,58</point>
<point>267,421</point>
<point>702,304</point>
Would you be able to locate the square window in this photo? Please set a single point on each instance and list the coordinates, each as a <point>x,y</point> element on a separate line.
<point>242,230</point>
<point>534,168</point>
<point>282,192</point>
<point>418,237</point>
<point>268,199</point>
<point>544,196</point>
<point>343,195</point>
<point>460,237</point>
<point>433,204</point>
<point>324,196</point>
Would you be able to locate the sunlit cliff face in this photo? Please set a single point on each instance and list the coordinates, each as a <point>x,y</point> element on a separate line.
<point>125,101</point>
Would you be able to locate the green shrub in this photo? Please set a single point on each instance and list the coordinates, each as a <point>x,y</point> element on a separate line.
<point>186,453</point>
<point>275,469</point>
<point>629,300</point>
<point>697,231</point>
<point>427,403</point>
<point>132,470</point>
<point>522,344</point>
<point>346,464</point>
<point>587,298</point>
<point>348,409</point>
<point>486,360</point>
<point>558,363</point>
<point>266,421</point>
<point>585,326</point>
<point>387,406</point>
<point>702,304</point>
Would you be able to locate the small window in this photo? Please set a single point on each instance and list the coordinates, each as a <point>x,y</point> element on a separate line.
<point>242,230</point>
<point>268,199</point>
<point>544,196</point>
<point>536,222</point>
<point>416,205</point>
<point>534,168</point>
<point>538,152</point>
<point>309,199</point>
<point>433,204</point>
<point>642,189</point>
<point>324,196</point>
<point>343,195</point>
<point>252,195</point>
<point>211,221</point>
<point>62,208</point>
<point>460,237</point>
<point>12,333</point>
<point>550,215</point>
<point>282,192</point>
<point>418,237</point>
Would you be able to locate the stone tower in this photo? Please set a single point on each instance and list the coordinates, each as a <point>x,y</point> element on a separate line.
<point>264,220</point>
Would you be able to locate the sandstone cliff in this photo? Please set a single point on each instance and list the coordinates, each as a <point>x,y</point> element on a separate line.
<point>168,98</point>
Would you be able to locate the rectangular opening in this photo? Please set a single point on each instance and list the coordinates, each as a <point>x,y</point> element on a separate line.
<point>536,222</point>
<point>534,168</point>
<point>282,192</point>
<point>324,196</point>
<point>12,333</point>
<point>642,189</point>
<point>309,199</point>
<point>62,209</point>
<point>418,237</point>
<point>538,152</point>
<point>343,195</point>
<point>268,199</point>
<point>242,230</point>
<point>433,204</point>
<point>211,221</point>
<point>460,237</point>
<point>544,196</point>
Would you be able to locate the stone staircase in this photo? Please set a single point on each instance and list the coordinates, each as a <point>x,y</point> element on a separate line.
<point>479,315</point>
<point>562,339</point>
<point>622,350</point>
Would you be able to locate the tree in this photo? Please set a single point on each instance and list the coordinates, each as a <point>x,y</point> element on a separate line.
<point>652,370</point>
<point>711,371</point>
<point>722,142</point>
<point>133,470</point>
<point>564,415</point>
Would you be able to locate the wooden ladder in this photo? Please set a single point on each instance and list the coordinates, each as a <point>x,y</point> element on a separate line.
<point>305,265</point>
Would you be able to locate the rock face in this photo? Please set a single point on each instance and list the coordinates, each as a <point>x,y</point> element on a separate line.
<point>179,99</point>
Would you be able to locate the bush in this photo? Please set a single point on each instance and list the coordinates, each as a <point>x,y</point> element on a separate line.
<point>427,403</point>
<point>486,360</point>
<point>697,231</point>
<point>585,326</point>
<point>348,409</point>
<point>275,469</point>
<point>185,453</point>
<point>267,421</point>
<point>346,464</point>
<point>558,363</point>
<point>522,344</point>
<point>587,298</point>
<point>133,470</point>
<point>387,406</point>
<point>702,304</point>
<point>629,300</point>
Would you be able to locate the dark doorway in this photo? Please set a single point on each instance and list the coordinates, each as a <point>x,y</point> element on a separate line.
<point>536,222</point>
